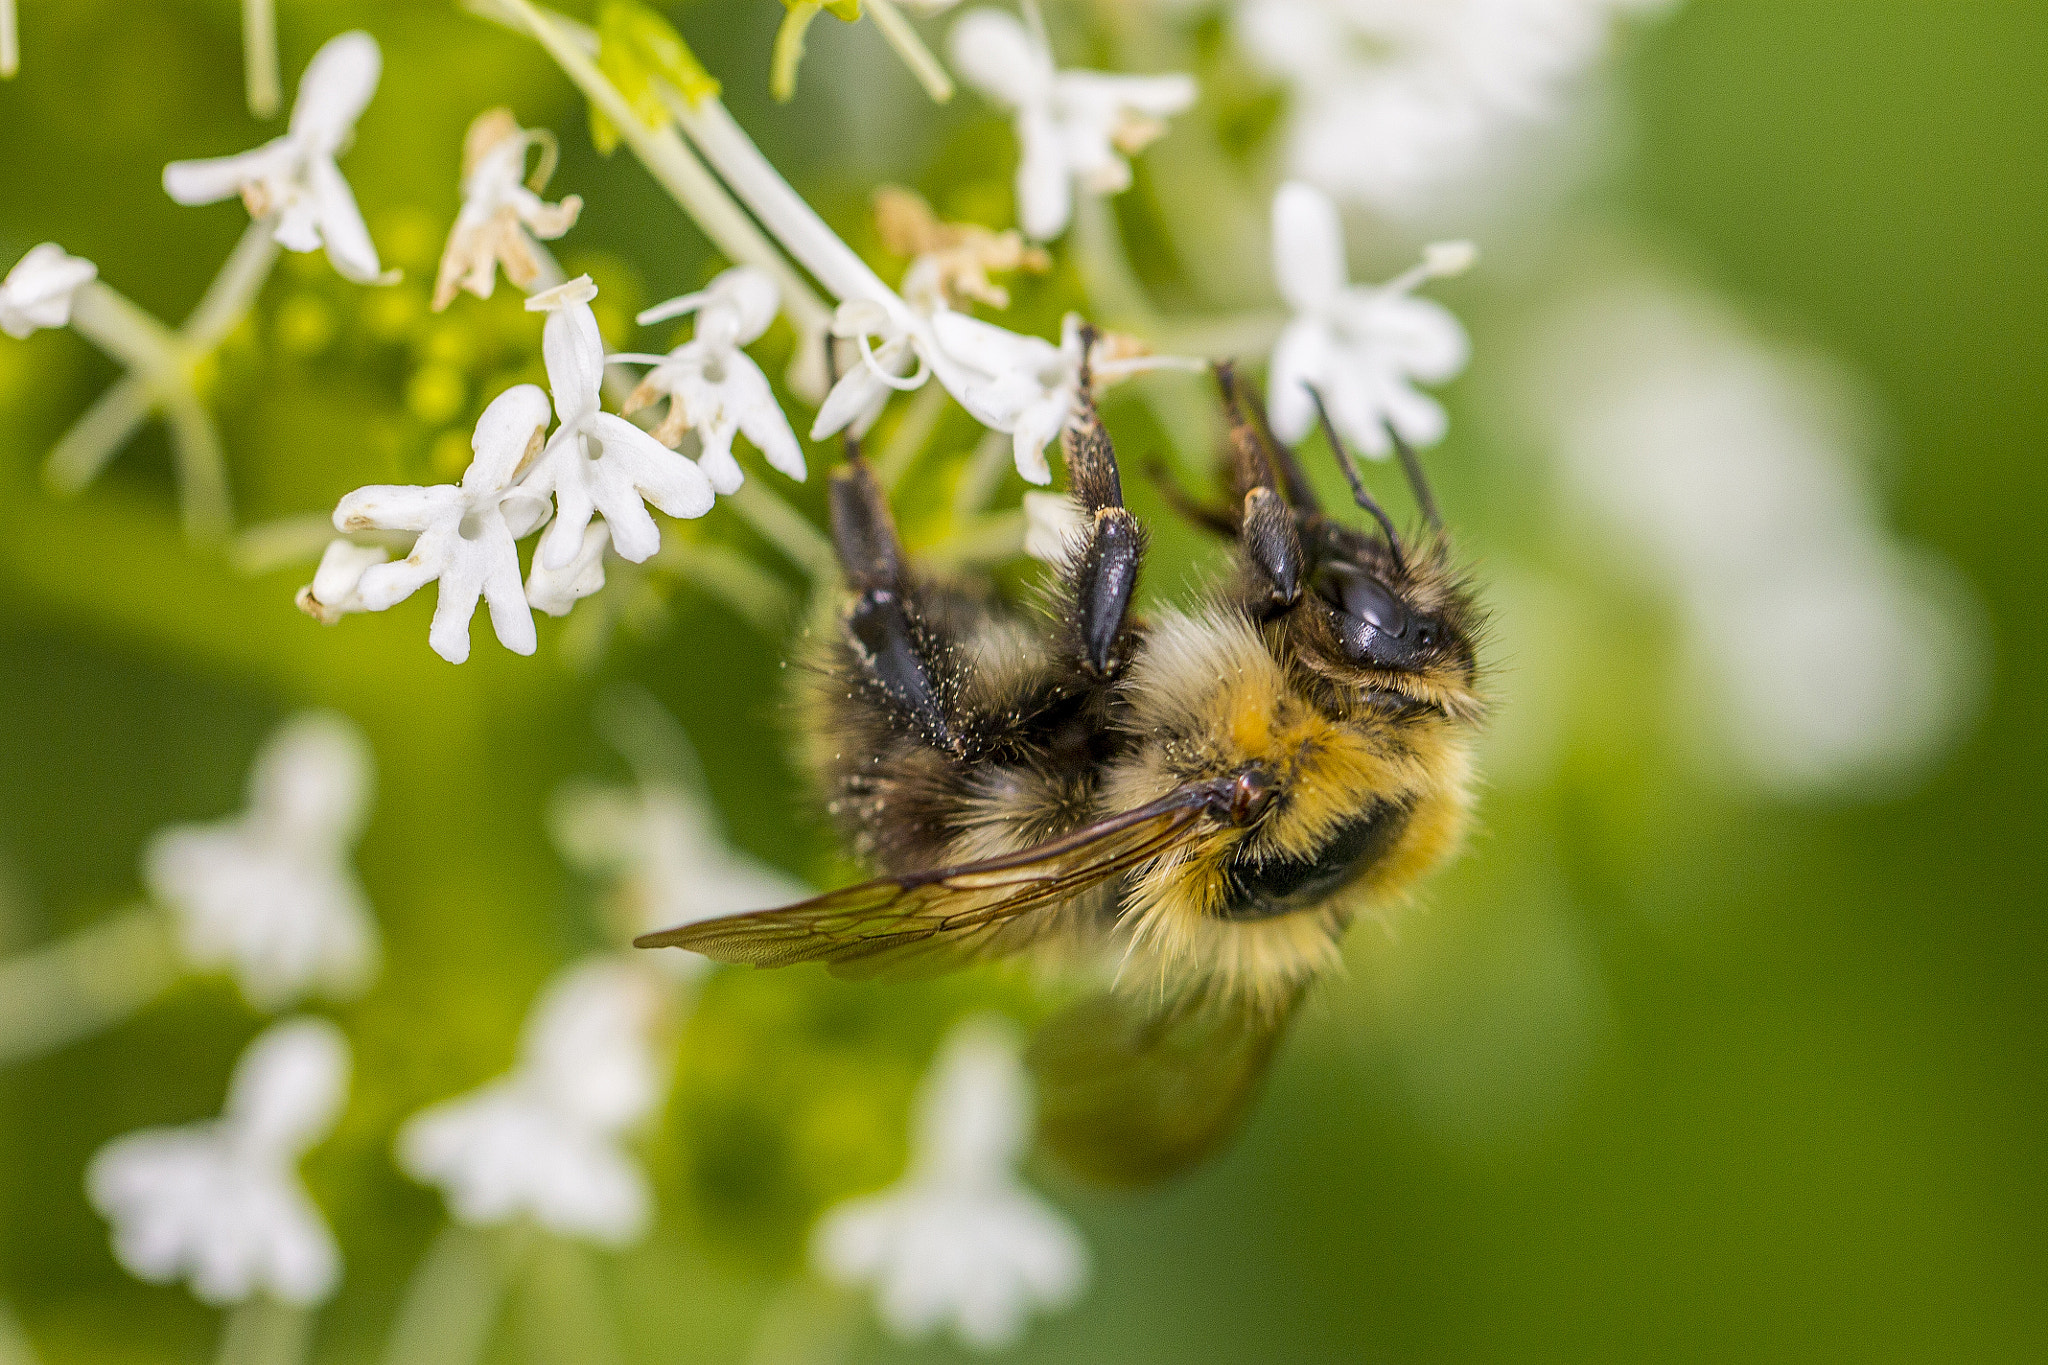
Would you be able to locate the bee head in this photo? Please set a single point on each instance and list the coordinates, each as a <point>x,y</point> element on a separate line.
<point>1388,618</point>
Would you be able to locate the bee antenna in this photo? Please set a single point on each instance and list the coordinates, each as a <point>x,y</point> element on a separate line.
<point>1413,468</point>
<point>1350,468</point>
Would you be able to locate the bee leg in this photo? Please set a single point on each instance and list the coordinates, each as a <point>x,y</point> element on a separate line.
<point>1266,533</point>
<point>897,651</point>
<point>1187,506</point>
<point>1101,578</point>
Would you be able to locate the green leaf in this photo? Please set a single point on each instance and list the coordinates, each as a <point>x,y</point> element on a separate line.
<point>658,48</point>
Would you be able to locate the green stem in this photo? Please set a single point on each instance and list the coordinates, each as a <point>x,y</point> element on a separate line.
<point>106,426</point>
<point>674,167</point>
<point>262,1331</point>
<point>900,35</point>
<point>786,529</point>
<point>453,1299</point>
<point>564,1313</point>
<point>111,321</point>
<point>204,504</point>
<point>233,291</point>
<point>259,56</point>
<point>14,1344</point>
<point>789,49</point>
<point>909,437</point>
<point>55,995</point>
<point>1116,297</point>
<point>756,596</point>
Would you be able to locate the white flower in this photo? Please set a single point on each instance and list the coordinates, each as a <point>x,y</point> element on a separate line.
<point>292,181</point>
<point>713,387</point>
<point>543,1142</point>
<point>597,461</point>
<point>1052,525</point>
<point>500,214</point>
<point>468,531</point>
<point>270,894</point>
<point>857,398</point>
<point>1072,126</point>
<point>672,863</point>
<point>1393,104</point>
<point>37,292</point>
<point>220,1204</point>
<point>336,589</point>
<point>1024,385</point>
<point>1362,347</point>
<point>960,1240</point>
<point>555,591</point>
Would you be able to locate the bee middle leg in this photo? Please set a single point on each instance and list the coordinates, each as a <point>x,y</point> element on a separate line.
<point>1101,576</point>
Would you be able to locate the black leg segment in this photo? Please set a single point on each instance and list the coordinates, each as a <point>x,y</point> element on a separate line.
<point>1102,577</point>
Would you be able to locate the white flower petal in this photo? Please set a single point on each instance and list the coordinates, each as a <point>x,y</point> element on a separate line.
<point>37,291</point>
<point>992,51</point>
<point>574,353</point>
<point>1045,190</point>
<point>503,434</point>
<point>1308,248</point>
<point>209,181</point>
<point>340,222</point>
<point>289,1087</point>
<point>556,591</point>
<point>335,90</point>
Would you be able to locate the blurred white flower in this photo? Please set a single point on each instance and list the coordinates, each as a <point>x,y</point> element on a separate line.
<point>1072,126</point>
<point>336,589</point>
<point>663,844</point>
<point>960,1240</point>
<point>1363,347</point>
<point>1393,103</point>
<point>270,895</point>
<point>500,215</point>
<point>544,1141</point>
<point>1729,471</point>
<point>1053,525</point>
<point>556,591</point>
<point>220,1204</point>
<point>37,292</point>
<point>713,387</point>
<point>292,181</point>
<point>468,531</point>
<point>597,461</point>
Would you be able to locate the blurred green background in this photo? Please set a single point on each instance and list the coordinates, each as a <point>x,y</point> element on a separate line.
<point>1661,1070</point>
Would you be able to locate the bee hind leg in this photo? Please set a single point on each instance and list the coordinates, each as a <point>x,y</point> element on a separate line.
<point>1101,576</point>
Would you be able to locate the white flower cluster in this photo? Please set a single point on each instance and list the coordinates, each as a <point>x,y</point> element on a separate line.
<point>270,894</point>
<point>1731,470</point>
<point>220,1204</point>
<point>961,1241</point>
<point>1395,102</point>
<point>544,1142</point>
<point>594,463</point>
<point>670,862</point>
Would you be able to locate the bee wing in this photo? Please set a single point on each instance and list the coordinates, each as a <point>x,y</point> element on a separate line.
<point>1130,1094</point>
<point>945,917</point>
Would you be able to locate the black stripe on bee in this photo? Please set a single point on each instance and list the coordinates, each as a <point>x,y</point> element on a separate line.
<point>1272,887</point>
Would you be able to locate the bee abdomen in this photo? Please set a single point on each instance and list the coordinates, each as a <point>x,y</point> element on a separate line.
<point>1281,886</point>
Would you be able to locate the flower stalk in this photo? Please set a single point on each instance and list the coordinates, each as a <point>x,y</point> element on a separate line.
<point>259,57</point>
<point>262,1331</point>
<point>163,368</point>
<point>53,996</point>
<point>10,41</point>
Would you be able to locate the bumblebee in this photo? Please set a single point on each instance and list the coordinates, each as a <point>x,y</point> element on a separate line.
<point>1198,803</point>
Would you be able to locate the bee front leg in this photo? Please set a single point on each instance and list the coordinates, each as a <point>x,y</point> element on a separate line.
<point>1101,577</point>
